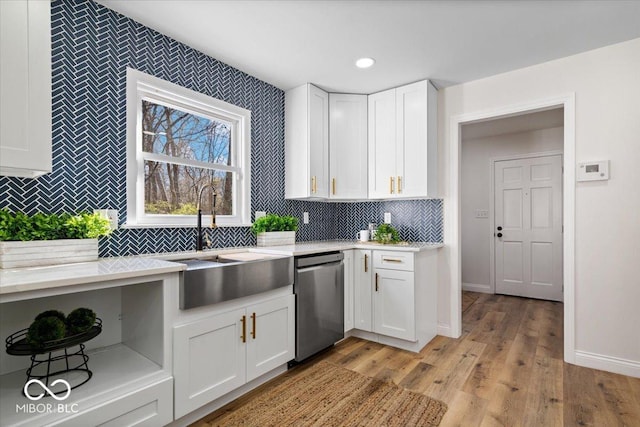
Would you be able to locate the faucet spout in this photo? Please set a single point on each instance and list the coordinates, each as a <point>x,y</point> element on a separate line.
<point>199,245</point>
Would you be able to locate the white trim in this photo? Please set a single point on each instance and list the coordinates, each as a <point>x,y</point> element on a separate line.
<point>452,207</point>
<point>142,86</point>
<point>608,363</point>
<point>477,287</point>
<point>492,204</point>
<point>444,330</point>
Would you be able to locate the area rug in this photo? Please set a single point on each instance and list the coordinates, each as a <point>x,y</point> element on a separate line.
<point>327,395</point>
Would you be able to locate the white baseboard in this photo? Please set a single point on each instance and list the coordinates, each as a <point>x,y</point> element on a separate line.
<point>475,287</point>
<point>444,330</point>
<point>608,363</point>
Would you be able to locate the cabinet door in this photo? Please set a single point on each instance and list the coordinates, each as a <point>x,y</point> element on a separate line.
<point>412,161</point>
<point>393,304</point>
<point>209,360</point>
<point>348,290</point>
<point>270,335</point>
<point>25,85</point>
<point>347,146</point>
<point>382,144</point>
<point>318,142</point>
<point>362,273</point>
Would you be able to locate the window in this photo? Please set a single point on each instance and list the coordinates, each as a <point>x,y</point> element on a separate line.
<point>182,147</point>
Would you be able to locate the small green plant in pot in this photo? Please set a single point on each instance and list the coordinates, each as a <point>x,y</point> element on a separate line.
<point>273,230</point>
<point>386,234</point>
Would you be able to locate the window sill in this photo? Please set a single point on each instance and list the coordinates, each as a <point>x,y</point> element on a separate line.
<point>134,226</point>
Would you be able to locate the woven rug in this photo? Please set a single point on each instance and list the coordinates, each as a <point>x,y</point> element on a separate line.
<point>327,395</point>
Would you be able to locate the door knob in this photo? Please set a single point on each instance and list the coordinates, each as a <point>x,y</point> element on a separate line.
<point>499,234</point>
<point>499,228</point>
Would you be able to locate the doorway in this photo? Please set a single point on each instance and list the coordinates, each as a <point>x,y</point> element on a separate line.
<point>454,215</point>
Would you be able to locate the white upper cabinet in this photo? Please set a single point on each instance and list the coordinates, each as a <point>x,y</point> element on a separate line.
<point>25,88</point>
<point>347,146</point>
<point>306,143</point>
<point>403,142</point>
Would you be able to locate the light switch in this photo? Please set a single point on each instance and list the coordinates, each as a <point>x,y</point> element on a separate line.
<point>305,217</point>
<point>387,217</point>
<point>481,213</point>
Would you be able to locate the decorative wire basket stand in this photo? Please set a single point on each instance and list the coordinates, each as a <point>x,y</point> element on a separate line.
<point>43,361</point>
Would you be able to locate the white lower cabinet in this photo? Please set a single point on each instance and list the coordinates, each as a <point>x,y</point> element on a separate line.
<point>271,337</point>
<point>393,304</point>
<point>362,274</point>
<point>395,300</point>
<point>148,407</point>
<point>218,354</point>
<point>348,290</point>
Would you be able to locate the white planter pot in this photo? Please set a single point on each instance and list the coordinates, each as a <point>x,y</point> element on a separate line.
<point>276,238</point>
<point>47,252</point>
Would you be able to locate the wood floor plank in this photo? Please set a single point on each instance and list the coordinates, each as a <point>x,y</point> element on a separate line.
<point>484,376</point>
<point>466,410</point>
<point>619,398</point>
<point>508,401</point>
<point>544,405</point>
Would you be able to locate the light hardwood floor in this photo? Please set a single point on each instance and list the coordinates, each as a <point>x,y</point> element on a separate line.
<point>506,369</point>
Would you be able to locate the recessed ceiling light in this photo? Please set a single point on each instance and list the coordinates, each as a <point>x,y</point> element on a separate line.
<point>365,62</point>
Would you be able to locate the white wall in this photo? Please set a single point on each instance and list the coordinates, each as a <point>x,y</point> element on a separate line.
<point>475,186</point>
<point>606,83</point>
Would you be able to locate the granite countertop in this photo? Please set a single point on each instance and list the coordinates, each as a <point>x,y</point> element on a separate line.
<point>15,280</point>
<point>305,248</point>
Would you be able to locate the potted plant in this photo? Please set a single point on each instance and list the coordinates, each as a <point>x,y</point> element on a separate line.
<point>273,230</point>
<point>48,239</point>
<point>386,234</point>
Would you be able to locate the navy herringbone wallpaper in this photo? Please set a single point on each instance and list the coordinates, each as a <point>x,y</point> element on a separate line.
<point>92,46</point>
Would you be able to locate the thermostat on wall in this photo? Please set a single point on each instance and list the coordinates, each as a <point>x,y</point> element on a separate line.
<point>593,171</point>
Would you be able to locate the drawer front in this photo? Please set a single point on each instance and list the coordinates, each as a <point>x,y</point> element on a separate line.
<point>393,260</point>
<point>151,406</point>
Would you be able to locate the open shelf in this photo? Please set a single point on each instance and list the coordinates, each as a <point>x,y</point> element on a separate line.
<point>117,370</point>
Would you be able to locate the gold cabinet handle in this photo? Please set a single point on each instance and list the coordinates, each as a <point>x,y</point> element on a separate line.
<point>313,184</point>
<point>366,262</point>
<point>253,330</point>
<point>391,184</point>
<point>391,260</point>
<point>244,329</point>
<point>399,184</point>
<point>376,282</point>
<point>333,186</point>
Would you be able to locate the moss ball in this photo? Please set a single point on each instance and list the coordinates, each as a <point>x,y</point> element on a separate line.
<point>51,313</point>
<point>45,329</point>
<point>79,320</point>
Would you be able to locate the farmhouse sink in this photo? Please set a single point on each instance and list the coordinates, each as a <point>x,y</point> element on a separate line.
<point>222,278</point>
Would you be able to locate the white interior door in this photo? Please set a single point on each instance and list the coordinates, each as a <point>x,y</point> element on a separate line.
<point>528,220</point>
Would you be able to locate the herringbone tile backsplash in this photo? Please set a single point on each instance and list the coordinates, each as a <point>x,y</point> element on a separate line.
<point>91,48</point>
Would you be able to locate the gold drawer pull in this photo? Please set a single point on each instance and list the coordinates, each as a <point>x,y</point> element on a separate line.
<point>333,186</point>
<point>244,329</point>
<point>391,184</point>
<point>314,186</point>
<point>366,262</point>
<point>253,331</point>
<point>399,184</point>
<point>391,260</point>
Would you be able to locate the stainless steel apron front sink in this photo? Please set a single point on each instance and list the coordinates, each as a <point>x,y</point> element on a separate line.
<point>218,279</point>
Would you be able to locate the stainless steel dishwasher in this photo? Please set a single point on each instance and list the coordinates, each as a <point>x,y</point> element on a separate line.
<point>319,288</point>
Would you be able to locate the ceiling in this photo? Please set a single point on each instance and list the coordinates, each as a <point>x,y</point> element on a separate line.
<point>519,123</point>
<point>288,43</point>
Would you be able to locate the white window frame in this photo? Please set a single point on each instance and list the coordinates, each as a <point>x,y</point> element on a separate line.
<point>144,86</point>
